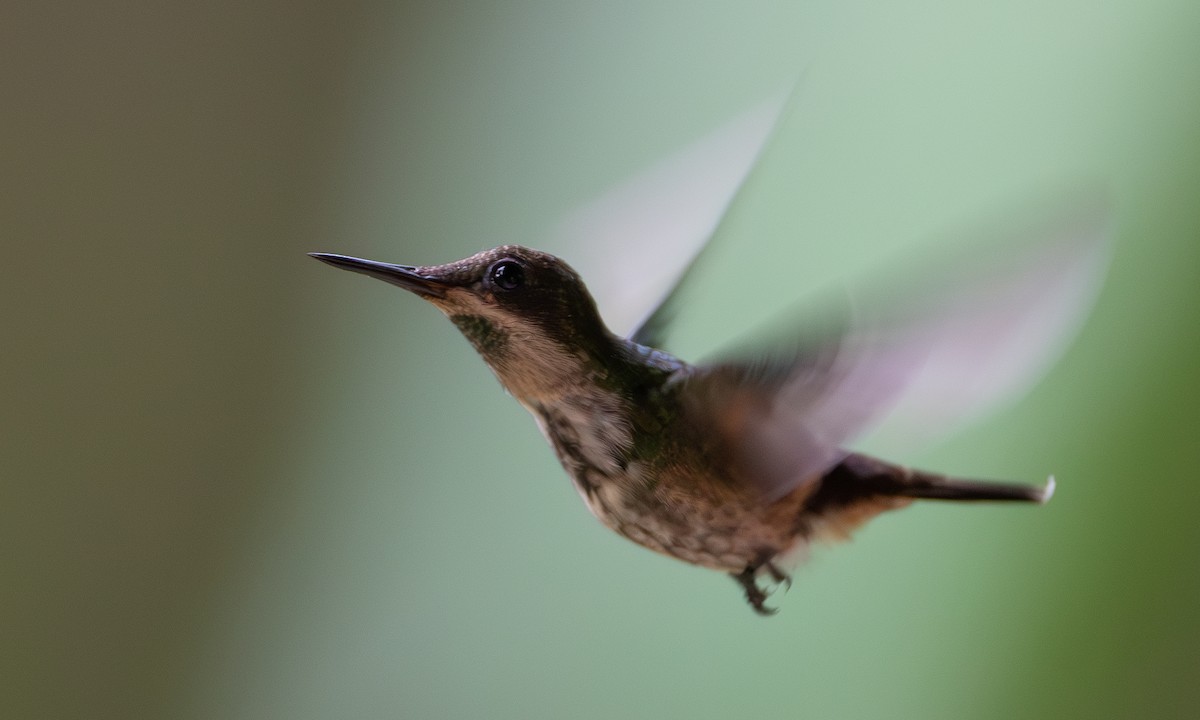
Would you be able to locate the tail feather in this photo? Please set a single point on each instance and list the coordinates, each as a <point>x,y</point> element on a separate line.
<point>938,487</point>
<point>883,478</point>
<point>861,487</point>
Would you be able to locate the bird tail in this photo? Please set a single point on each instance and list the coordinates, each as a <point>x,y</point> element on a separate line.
<point>897,481</point>
<point>861,487</point>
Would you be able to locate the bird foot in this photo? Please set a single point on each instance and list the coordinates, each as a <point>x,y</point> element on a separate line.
<point>756,595</point>
<point>779,576</point>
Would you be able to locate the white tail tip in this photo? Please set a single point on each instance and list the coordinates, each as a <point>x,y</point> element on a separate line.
<point>1048,491</point>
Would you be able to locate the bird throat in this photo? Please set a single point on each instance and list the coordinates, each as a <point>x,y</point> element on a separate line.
<point>533,367</point>
<point>488,339</point>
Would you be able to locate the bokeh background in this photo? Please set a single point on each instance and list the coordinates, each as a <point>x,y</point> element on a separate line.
<point>237,484</point>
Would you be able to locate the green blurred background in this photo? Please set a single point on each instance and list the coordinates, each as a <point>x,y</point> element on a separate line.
<point>238,484</point>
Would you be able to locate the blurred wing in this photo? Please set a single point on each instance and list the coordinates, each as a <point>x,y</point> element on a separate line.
<point>634,244</point>
<point>927,361</point>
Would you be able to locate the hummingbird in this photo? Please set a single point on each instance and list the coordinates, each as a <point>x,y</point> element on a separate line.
<point>730,465</point>
<point>739,464</point>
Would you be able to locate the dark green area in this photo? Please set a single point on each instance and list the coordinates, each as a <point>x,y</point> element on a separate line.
<point>482,333</point>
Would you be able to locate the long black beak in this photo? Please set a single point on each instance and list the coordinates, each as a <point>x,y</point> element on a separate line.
<point>405,276</point>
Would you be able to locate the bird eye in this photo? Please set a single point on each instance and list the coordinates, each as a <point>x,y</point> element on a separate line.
<point>508,275</point>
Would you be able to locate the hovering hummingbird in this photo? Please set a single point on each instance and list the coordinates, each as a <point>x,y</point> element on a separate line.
<point>737,463</point>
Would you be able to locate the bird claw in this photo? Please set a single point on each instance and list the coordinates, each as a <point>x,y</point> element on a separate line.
<point>756,595</point>
<point>779,576</point>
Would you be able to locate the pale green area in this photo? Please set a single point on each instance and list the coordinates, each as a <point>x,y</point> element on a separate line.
<point>238,484</point>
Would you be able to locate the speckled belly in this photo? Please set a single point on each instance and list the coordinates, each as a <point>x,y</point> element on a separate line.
<point>720,530</point>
